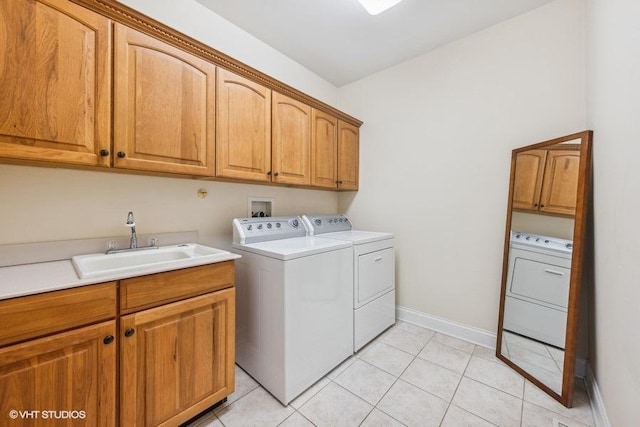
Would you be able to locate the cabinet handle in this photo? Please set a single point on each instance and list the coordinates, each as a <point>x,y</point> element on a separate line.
<point>377,259</point>
<point>121,154</point>
<point>275,174</point>
<point>129,332</point>
<point>108,339</point>
<point>269,173</point>
<point>338,181</point>
<point>104,153</point>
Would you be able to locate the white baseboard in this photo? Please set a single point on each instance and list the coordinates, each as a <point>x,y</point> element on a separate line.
<point>597,404</point>
<point>464,332</point>
<point>458,330</point>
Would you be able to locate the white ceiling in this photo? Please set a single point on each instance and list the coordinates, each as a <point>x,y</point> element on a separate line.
<point>341,42</point>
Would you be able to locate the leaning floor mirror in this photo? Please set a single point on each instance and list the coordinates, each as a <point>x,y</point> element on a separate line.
<point>543,261</point>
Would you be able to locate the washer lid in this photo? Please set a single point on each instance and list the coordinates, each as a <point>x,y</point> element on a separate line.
<point>297,247</point>
<point>358,237</point>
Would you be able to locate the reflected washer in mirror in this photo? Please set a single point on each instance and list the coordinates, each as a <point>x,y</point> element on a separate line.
<point>548,195</point>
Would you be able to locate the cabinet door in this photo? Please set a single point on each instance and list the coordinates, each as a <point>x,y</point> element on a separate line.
<point>177,359</point>
<point>243,129</point>
<point>164,107</point>
<point>55,75</point>
<point>290,143</point>
<point>73,371</point>
<point>528,179</point>
<point>560,184</point>
<point>348,151</point>
<point>324,149</point>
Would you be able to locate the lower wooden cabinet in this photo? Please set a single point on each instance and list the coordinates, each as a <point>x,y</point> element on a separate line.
<point>64,379</point>
<point>174,349</point>
<point>177,359</point>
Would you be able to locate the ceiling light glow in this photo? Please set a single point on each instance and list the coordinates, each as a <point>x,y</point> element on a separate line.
<point>375,7</point>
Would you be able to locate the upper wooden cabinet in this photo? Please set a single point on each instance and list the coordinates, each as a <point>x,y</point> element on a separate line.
<point>243,129</point>
<point>546,181</point>
<point>55,75</point>
<point>348,152</point>
<point>290,143</point>
<point>164,106</point>
<point>324,149</point>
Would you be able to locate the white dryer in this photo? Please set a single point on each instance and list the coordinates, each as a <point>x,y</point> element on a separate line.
<point>538,279</point>
<point>294,304</point>
<point>374,290</point>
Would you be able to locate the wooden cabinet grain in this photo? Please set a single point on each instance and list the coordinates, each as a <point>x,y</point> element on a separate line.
<point>324,150</point>
<point>164,106</point>
<point>177,335</point>
<point>291,141</point>
<point>546,181</point>
<point>177,359</point>
<point>243,130</point>
<point>58,353</point>
<point>72,371</point>
<point>348,156</point>
<point>56,83</point>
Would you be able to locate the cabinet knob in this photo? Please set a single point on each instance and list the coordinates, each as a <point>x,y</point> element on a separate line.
<point>535,204</point>
<point>275,174</point>
<point>339,181</point>
<point>104,153</point>
<point>542,206</point>
<point>269,173</point>
<point>121,154</point>
<point>129,332</point>
<point>108,339</point>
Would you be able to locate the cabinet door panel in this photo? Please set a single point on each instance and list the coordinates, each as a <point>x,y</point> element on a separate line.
<point>528,180</point>
<point>560,184</point>
<point>348,152</point>
<point>290,142</point>
<point>324,149</point>
<point>55,76</point>
<point>164,106</point>
<point>179,361</point>
<point>70,371</point>
<point>243,130</point>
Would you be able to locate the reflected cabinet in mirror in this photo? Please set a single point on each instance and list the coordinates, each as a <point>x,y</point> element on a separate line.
<point>543,261</point>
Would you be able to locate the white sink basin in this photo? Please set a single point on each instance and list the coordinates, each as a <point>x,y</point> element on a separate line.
<point>146,260</point>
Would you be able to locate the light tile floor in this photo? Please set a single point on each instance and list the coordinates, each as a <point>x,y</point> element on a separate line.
<point>409,376</point>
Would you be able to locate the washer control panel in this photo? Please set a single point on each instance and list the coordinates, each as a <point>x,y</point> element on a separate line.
<point>254,230</point>
<point>538,240</point>
<point>319,224</point>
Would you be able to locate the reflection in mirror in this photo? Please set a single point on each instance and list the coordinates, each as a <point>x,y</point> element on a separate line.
<point>542,262</point>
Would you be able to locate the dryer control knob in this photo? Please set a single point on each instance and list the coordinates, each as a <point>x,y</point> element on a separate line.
<point>259,226</point>
<point>269,226</point>
<point>278,225</point>
<point>250,227</point>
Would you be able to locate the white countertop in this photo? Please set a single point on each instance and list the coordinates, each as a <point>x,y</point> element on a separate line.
<point>29,279</point>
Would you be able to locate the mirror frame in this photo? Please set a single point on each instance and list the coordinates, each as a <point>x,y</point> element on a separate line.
<point>577,260</point>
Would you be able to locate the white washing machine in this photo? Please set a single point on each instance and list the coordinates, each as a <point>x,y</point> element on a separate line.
<point>294,304</point>
<point>538,280</point>
<point>374,289</point>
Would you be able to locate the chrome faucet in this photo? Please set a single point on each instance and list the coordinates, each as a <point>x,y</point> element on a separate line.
<point>133,241</point>
<point>131,223</point>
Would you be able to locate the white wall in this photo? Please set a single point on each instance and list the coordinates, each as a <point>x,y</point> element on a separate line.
<point>614,115</point>
<point>436,145</point>
<point>39,204</point>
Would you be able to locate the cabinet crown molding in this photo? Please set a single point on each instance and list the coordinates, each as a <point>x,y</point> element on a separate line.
<point>134,19</point>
